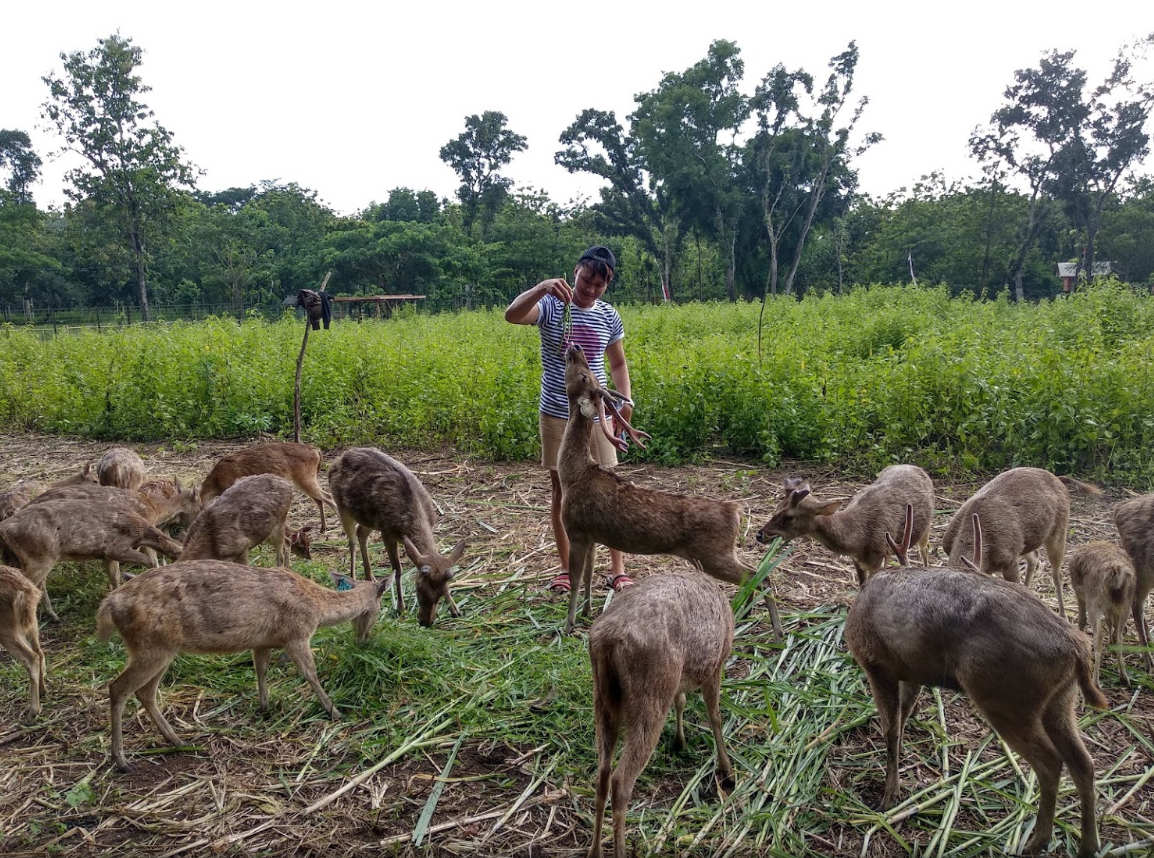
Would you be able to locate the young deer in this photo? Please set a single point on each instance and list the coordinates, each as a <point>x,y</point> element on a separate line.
<point>1022,510</point>
<point>298,463</point>
<point>20,632</point>
<point>1135,522</point>
<point>41,534</point>
<point>300,543</point>
<point>120,467</point>
<point>86,475</point>
<point>250,511</point>
<point>211,606</point>
<point>858,529</point>
<point>1104,584</point>
<point>665,636</point>
<point>597,506</point>
<point>373,491</point>
<point>17,497</point>
<point>1018,662</point>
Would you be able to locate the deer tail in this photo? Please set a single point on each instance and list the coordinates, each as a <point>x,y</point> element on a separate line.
<point>105,625</point>
<point>1078,485</point>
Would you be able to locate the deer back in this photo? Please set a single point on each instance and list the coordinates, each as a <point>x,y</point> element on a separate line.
<point>120,467</point>
<point>243,516</point>
<point>285,459</point>
<point>382,494</point>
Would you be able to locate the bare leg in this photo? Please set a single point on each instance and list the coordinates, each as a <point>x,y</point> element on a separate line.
<point>559,535</point>
<point>300,652</point>
<point>395,559</point>
<point>260,662</point>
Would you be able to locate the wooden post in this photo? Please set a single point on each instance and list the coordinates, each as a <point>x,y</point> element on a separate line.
<point>300,363</point>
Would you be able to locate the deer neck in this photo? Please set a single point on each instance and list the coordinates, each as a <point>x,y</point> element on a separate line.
<point>574,458</point>
<point>337,606</point>
<point>834,532</point>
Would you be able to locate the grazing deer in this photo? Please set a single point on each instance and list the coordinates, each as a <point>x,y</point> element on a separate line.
<point>1022,509</point>
<point>598,506</point>
<point>17,497</point>
<point>300,542</point>
<point>41,534</point>
<point>1103,580</point>
<point>1135,522</point>
<point>666,635</point>
<point>212,606</point>
<point>373,491</point>
<point>297,463</point>
<point>86,475</point>
<point>858,530</point>
<point>1018,662</point>
<point>250,511</point>
<point>20,632</point>
<point>120,467</point>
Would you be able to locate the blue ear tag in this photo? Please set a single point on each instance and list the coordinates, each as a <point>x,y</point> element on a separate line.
<point>344,584</point>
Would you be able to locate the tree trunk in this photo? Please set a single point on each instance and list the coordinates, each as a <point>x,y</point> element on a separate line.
<point>141,273</point>
<point>815,197</point>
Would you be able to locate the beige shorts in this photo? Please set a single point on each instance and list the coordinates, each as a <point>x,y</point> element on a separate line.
<point>552,428</point>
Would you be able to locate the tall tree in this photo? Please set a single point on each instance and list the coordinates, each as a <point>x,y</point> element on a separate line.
<point>131,165</point>
<point>635,202</point>
<point>477,154</point>
<point>21,161</point>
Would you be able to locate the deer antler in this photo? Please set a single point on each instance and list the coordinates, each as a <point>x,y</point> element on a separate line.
<point>975,565</point>
<point>902,551</point>
<point>636,434</point>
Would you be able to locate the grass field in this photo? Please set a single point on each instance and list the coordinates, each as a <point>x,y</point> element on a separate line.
<point>880,375</point>
<point>475,737</point>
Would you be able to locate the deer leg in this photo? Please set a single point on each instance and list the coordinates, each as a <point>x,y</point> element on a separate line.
<point>112,570</point>
<point>1099,634</point>
<point>605,723</point>
<point>1138,609</point>
<point>395,559</point>
<point>1033,742</point>
<point>139,670</point>
<point>301,653</point>
<point>1032,562</point>
<point>313,489</point>
<point>587,577</point>
<point>350,527</point>
<point>1081,600</point>
<point>711,693</point>
<point>277,538</point>
<point>130,555</point>
<point>1061,727</point>
<point>363,534</point>
<point>1056,552</point>
<point>886,692</point>
<point>34,643</point>
<point>27,656</point>
<point>1119,628</point>
<point>924,547</point>
<point>678,709</point>
<point>453,609</point>
<point>260,663</point>
<point>640,740</point>
<point>577,552</point>
<point>146,694</point>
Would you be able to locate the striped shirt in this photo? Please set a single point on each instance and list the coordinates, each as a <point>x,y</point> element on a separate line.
<point>594,329</point>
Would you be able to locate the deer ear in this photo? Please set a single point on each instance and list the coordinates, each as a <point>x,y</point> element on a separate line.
<point>382,586</point>
<point>458,550</point>
<point>829,508</point>
<point>411,550</point>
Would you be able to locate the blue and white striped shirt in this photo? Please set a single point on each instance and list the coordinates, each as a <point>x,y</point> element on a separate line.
<point>594,329</point>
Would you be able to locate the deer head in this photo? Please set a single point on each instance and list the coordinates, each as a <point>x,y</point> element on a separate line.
<point>434,572</point>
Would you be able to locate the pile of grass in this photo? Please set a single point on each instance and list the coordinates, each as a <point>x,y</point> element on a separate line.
<point>879,375</point>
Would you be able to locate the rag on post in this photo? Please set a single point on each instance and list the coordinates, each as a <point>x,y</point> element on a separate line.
<point>318,306</point>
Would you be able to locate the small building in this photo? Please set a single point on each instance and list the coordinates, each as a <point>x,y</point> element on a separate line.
<point>1068,271</point>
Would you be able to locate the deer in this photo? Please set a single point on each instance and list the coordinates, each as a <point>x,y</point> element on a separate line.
<point>1134,520</point>
<point>213,606</point>
<point>300,542</point>
<point>17,496</point>
<point>1022,510</point>
<point>1019,663</point>
<point>41,534</point>
<point>120,467</point>
<point>297,463</point>
<point>250,511</point>
<point>158,501</point>
<point>858,529</point>
<point>86,475</point>
<point>1104,584</point>
<point>373,491</point>
<point>665,636</point>
<point>20,632</point>
<point>598,506</point>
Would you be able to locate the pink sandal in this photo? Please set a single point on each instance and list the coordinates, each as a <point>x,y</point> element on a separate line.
<point>620,582</point>
<point>561,584</point>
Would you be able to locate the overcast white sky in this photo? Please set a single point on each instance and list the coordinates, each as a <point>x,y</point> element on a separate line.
<point>354,99</point>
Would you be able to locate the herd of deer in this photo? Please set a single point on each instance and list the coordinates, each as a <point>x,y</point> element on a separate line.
<point>1020,663</point>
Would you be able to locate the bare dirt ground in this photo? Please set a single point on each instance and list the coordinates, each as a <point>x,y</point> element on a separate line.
<point>205,803</point>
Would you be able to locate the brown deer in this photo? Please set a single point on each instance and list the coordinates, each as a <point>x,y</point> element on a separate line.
<point>20,632</point>
<point>1018,662</point>
<point>1022,510</point>
<point>1135,522</point>
<point>120,467</point>
<point>858,530</point>
<point>666,635</point>
<point>373,491</point>
<point>86,475</point>
<point>250,511</point>
<point>300,542</point>
<point>297,463</point>
<point>41,534</point>
<point>1104,583</point>
<point>599,507</point>
<point>16,497</point>
<point>212,606</point>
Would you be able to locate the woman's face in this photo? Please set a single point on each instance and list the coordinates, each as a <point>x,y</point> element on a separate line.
<point>588,286</point>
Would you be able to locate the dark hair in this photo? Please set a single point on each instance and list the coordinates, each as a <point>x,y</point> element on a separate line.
<point>599,260</point>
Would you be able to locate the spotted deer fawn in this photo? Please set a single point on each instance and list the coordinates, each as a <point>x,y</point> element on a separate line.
<point>20,632</point>
<point>1104,583</point>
